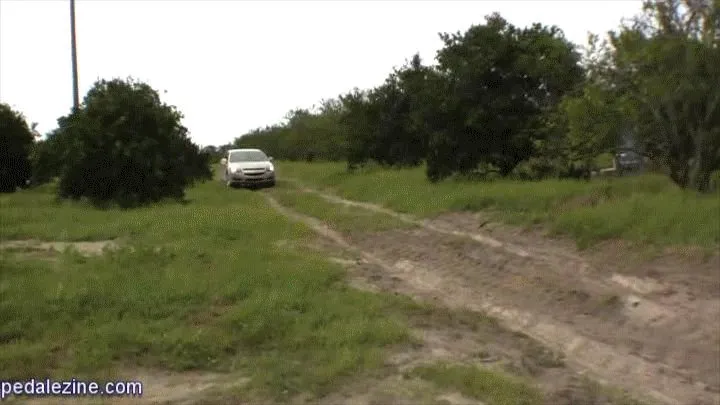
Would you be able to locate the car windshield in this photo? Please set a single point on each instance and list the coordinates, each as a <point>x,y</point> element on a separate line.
<point>247,156</point>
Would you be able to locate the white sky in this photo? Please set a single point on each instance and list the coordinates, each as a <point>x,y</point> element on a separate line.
<point>232,65</point>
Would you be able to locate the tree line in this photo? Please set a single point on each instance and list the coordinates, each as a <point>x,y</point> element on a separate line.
<point>500,100</point>
<point>524,102</point>
<point>123,146</point>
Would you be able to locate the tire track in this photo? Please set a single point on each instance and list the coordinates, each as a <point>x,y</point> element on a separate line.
<point>662,323</point>
<point>604,362</point>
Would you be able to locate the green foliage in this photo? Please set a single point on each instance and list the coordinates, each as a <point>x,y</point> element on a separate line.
<point>16,144</point>
<point>306,135</point>
<point>216,153</point>
<point>456,117</point>
<point>510,101</point>
<point>500,81</point>
<point>666,65</point>
<point>125,146</point>
<point>390,124</point>
<point>595,122</point>
<point>48,157</point>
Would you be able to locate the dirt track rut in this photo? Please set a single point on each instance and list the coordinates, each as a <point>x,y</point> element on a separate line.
<point>653,338</point>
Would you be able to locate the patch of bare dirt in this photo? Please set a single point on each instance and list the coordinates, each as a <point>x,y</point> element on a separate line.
<point>679,266</point>
<point>85,248</point>
<point>671,298</point>
<point>655,336</point>
<point>455,335</point>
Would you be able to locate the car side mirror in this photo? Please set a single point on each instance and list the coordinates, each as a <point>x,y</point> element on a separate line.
<point>270,158</point>
<point>223,161</point>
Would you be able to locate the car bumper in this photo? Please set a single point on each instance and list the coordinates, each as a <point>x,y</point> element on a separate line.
<point>245,180</point>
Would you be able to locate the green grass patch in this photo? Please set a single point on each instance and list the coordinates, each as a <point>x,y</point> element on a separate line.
<point>200,286</point>
<point>343,218</point>
<point>491,387</point>
<point>647,208</point>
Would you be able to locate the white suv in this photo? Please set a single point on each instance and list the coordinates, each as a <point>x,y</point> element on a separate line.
<point>248,167</point>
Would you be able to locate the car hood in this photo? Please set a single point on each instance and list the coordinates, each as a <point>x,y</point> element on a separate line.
<point>248,165</point>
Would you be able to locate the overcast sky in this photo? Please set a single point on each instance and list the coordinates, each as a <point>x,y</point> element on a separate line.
<point>232,65</point>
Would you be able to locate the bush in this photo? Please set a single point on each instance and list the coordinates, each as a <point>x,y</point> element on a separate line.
<point>16,142</point>
<point>125,146</point>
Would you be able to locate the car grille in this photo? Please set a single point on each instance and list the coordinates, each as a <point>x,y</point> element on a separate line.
<point>254,171</point>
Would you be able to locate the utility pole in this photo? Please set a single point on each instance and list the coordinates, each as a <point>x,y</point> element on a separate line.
<point>73,45</point>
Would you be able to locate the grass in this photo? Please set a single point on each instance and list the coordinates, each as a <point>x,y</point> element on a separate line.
<point>208,285</point>
<point>197,286</point>
<point>488,386</point>
<point>341,217</point>
<point>647,209</point>
<point>494,388</point>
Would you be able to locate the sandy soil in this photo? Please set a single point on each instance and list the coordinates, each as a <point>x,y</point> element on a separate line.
<point>650,327</point>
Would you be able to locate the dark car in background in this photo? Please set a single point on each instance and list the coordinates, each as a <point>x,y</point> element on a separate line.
<point>628,161</point>
<point>628,154</point>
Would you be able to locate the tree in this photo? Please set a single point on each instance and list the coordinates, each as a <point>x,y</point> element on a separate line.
<point>357,123</point>
<point>210,149</point>
<point>124,145</point>
<point>420,100</point>
<point>307,134</point>
<point>390,124</point>
<point>388,108</point>
<point>499,80</point>
<point>47,157</point>
<point>666,64</point>
<point>596,121</point>
<point>16,143</point>
<point>330,139</point>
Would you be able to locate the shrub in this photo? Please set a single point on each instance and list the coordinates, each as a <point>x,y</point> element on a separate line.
<point>16,141</point>
<point>124,145</point>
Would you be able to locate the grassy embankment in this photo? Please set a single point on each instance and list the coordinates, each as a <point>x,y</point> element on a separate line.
<point>648,209</point>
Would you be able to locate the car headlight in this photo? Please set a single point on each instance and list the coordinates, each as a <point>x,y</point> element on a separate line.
<point>270,168</point>
<point>238,171</point>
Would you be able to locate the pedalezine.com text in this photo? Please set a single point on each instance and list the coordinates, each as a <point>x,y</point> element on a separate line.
<point>72,387</point>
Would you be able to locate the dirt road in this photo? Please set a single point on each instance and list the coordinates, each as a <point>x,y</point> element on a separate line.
<point>649,327</point>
